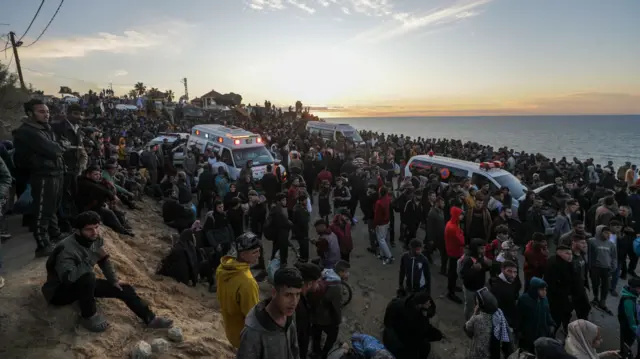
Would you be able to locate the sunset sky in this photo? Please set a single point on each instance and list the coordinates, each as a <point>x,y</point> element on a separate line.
<point>349,57</point>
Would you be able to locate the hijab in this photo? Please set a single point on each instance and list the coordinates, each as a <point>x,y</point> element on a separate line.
<point>579,341</point>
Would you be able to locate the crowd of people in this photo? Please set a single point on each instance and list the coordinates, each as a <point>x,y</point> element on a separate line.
<point>75,174</point>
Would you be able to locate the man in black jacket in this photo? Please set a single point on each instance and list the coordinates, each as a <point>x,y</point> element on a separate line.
<point>39,150</point>
<point>407,331</point>
<point>563,285</point>
<point>75,160</point>
<point>415,275</point>
<point>311,273</point>
<point>507,290</point>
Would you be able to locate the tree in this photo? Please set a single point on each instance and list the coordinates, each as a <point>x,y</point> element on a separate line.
<point>65,89</point>
<point>140,88</point>
<point>76,94</point>
<point>170,95</point>
<point>298,106</point>
<point>155,93</point>
<point>133,93</point>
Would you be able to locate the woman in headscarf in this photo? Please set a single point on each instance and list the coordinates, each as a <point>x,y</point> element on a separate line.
<point>488,329</point>
<point>584,339</point>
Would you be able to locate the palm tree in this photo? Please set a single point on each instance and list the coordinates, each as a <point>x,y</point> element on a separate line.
<point>169,94</point>
<point>133,93</point>
<point>140,88</point>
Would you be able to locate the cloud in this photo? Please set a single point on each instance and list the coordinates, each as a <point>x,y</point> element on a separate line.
<point>302,6</point>
<point>129,41</point>
<point>118,73</point>
<point>267,4</point>
<point>346,10</point>
<point>406,23</point>
<point>372,7</point>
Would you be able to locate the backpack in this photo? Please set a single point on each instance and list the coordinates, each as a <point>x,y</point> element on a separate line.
<point>269,231</point>
<point>459,267</point>
<point>636,246</point>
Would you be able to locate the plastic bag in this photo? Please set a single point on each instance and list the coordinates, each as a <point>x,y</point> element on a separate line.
<point>273,266</point>
<point>23,204</point>
<point>366,345</point>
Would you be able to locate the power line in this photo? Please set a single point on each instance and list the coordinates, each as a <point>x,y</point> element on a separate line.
<point>46,27</point>
<point>32,20</point>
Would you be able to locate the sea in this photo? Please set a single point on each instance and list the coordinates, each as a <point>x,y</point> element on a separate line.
<point>603,138</point>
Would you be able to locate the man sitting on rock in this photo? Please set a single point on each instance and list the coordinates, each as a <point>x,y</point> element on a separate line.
<point>70,277</point>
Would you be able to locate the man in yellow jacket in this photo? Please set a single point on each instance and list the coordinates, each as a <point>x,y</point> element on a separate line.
<point>237,289</point>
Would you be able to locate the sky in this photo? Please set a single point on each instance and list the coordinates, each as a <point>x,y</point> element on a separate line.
<point>345,57</point>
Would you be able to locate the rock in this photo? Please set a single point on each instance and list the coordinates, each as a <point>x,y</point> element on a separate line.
<point>175,335</point>
<point>142,350</point>
<point>159,345</point>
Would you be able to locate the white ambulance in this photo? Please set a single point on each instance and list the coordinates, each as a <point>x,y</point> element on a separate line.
<point>235,146</point>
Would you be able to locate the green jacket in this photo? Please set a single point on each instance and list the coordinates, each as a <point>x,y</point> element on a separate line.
<point>71,259</point>
<point>108,177</point>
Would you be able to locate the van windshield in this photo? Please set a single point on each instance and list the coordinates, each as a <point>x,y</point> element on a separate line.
<point>353,135</point>
<point>259,155</point>
<point>516,189</point>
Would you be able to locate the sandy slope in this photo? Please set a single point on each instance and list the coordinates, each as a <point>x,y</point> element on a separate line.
<point>29,328</point>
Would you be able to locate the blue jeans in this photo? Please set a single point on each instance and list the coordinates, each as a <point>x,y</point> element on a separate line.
<point>615,277</point>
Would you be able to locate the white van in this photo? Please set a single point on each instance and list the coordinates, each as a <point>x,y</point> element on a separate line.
<point>479,173</point>
<point>235,146</point>
<point>334,131</point>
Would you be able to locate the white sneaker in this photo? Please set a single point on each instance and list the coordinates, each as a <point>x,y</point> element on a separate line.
<point>1,282</point>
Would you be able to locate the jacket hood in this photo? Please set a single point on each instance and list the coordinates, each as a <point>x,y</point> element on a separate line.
<point>31,122</point>
<point>474,245</point>
<point>628,293</point>
<point>258,319</point>
<point>599,231</point>
<point>230,267</point>
<point>455,214</point>
<point>535,284</point>
<point>487,301</point>
<point>548,348</point>
<point>330,275</point>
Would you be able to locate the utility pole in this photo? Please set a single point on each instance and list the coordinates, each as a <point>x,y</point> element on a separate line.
<point>186,88</point>
<point>15,46</point>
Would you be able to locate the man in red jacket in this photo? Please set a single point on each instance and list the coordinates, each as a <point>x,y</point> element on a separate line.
<point>454,244</point>
<point>536,255</point>
<point>381,214</point>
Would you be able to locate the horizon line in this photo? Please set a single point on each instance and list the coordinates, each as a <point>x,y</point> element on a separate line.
<point>465,116</point>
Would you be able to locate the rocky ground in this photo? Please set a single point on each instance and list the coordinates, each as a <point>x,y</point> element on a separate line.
<point>31,329</point>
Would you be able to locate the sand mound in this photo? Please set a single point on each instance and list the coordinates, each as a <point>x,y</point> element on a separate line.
<point>29,328</point>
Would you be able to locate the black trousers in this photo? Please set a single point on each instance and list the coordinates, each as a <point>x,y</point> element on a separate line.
<point>452,275</point>
<point>68,209</point>
<point>316,336</point>
<point>282,245</point>
<point>110,219</point>
<point>87,288</point>
<point>205,201</point>
<point>600,283</point>
<point>627,337</point>
<point>304,248</point>
<point>444,258</point>
<point>47,196</point>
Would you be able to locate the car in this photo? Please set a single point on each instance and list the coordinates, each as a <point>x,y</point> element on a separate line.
<point>178,151</point>
<point>490,173</point>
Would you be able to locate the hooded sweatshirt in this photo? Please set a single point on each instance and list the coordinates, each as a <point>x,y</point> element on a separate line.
<point>453,236</point>
<point>262,337</point>
<point>534,311</point>
<point>627,312</point>
<point>237,294</point>
<point>602,252</point>
<point>549,348</point>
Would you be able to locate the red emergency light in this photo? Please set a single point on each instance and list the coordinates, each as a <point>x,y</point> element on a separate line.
<point>236,142</point>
